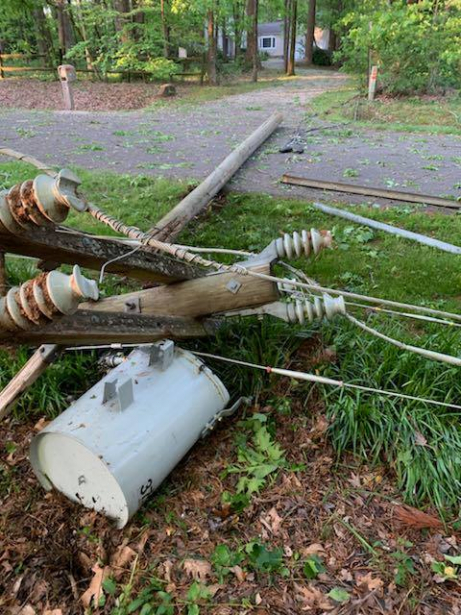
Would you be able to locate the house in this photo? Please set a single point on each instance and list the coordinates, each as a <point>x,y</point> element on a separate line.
<point>271,38</point>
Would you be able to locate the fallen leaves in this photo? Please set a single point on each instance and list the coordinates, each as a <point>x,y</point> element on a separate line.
<point>93,594</point>
<point>311,598</point>
<point>416,519</point>
<point>272,521</point>
<point>198,569</point>
<point>369,583</point>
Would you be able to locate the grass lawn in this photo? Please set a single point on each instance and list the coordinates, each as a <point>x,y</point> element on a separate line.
<point>408,450</point>
<point>435,115</point>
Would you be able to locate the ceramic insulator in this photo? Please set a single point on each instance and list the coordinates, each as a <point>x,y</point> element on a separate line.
<point>43,201</point>
<point>44,298</point>
<point>320,307</point>
<point>295,245</point>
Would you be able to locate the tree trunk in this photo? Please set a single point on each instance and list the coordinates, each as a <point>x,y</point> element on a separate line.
<point>43,39</point>
<point>310,29</point>
<point>212,75</point>
<point>237,14</point>
<point>291,59</point>
<point>80,28</point>
<point>65,34</point>
<point>286,35</point>
<point>123,8</point>
<point>252,39</point>
<point>225,46</point>
<point>256,63</point>
<point>164,8</point>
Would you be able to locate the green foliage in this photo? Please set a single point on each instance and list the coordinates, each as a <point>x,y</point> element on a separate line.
<point>223,559</point>
<point>338,594</point>
<point>417,46</point>
<point>263,559</point>
<point>257,459</point>
<point>322,57</point>
<point>313,566</point>
<point>404,568</point>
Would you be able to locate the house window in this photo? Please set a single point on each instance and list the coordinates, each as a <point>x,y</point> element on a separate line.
<point>267,42</point>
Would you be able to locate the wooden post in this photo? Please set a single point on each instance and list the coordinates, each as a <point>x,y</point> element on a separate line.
<point>35,366</point>
<point>195,202</point>
<point>2,74</point>
<point>67,76</point>
<point>372,83</point>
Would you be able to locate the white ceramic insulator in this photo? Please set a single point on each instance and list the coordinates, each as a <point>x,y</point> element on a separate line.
<point>56,195</point>
<point>295,245</point>
<point>27,306</point>
<point>320,307</point>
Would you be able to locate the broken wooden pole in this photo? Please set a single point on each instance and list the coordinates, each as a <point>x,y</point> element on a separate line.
<point>395,195</point>
<point>91,328</point>
<point>65,245</point>
<point>204,296</point>
<point>195,202</point>
<point>27,375</point>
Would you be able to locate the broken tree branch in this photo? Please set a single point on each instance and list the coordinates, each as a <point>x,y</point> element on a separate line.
<point>194,203</point>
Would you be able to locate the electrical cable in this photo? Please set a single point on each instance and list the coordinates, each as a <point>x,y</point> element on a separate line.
<point>429,354</point>
<point>296,375</point>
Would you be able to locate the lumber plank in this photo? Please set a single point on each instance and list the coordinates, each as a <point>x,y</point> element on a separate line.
<point>395,195</point>
<point>90,327</point>
<point>193,298</point>
<point>63,245</point>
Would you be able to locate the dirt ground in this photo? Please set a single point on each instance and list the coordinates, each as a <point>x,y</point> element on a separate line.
<point>88,95</point>
<point>347,517</point>
<point>188,141</point>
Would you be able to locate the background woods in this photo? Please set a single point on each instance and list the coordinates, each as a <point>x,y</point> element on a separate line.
<point>416,44</point>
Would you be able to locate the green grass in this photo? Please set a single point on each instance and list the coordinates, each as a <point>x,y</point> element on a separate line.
<point>420,444</point>
<point>411,114</point>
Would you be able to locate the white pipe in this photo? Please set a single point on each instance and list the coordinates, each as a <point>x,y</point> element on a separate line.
<point>388,228</point>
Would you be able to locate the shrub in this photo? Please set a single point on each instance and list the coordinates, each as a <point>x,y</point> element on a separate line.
<point>322,57</point>
<point>417,46</point>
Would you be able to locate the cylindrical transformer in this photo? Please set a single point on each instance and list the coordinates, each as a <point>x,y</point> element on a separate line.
<point>114,446</point>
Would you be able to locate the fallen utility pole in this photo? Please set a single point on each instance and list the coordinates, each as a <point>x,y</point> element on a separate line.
<point>195,202</point>
<point>63,245</point>
<point>35,366</point>
<point>87,327</point>
<point>211,294</point>
<point>395,195</point>
<point>388,228</point>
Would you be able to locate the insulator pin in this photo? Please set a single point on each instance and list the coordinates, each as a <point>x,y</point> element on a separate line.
<point>44,298</point>
<point>295,245</point>
<point>43,201</point>
<point>301,310</point>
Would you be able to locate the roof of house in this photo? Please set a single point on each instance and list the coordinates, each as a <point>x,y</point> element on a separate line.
<point>270,28</point>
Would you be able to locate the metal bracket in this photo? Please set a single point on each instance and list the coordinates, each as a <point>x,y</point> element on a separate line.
<point>233,286</point>
<point>162,354</point>
<point>132,306</point>
<point>219,416</point>
<point>124,393</point>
